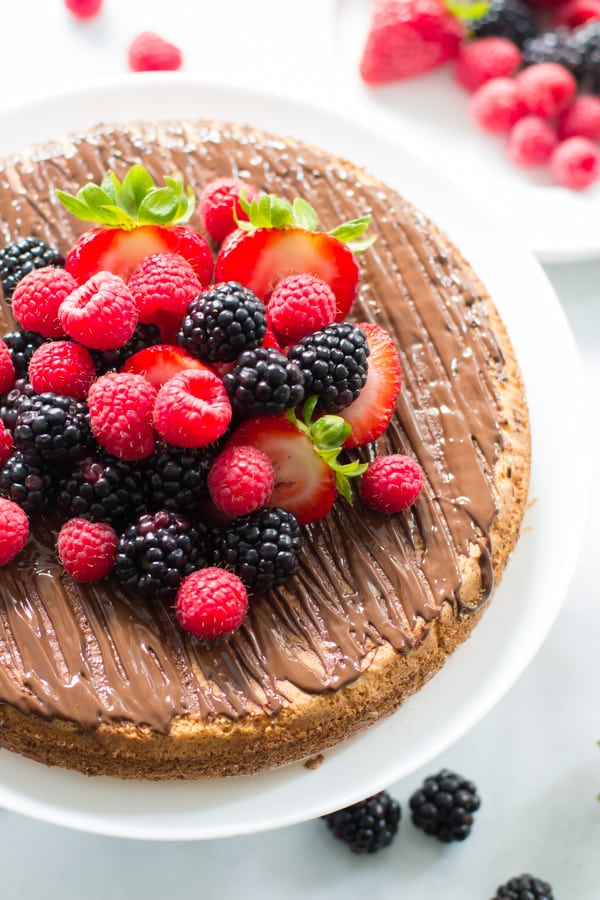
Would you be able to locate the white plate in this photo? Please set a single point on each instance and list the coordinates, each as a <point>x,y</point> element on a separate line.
<point>538,575</point>
<point>432,112</point>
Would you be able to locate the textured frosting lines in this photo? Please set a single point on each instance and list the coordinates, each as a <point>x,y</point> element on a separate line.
<point>96,653</point>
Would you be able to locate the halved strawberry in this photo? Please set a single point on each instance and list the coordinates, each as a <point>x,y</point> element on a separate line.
<point>370,414</point>
<point>160,363</point>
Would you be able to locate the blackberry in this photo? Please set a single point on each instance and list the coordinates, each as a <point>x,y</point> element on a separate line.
<point>113,360</point>
<point>158,551</point>
<point>262,548</point>
<point>512,19</point>
<point>20,257</point>
<point>264,381</point>
<point>22,345</point>
<point>223,322</point>
<point>367,826</point>
<point>444,806</point>
<point>103,489</point>
<point>26,482</point>
<point>585,40</point>
<point>52,428</point>
<point>524,887</point>
<point>334,364</point>
<point>175,478</point>
<point>11,400</point>
<point>552,46</point>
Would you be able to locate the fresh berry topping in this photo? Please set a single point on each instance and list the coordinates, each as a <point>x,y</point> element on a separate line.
<point>11,400</point>
<point>241,480</point>
<point>553,46</point>
<point>163,283</point>
<point>50,428</point>
<point>158,551</point>
<point>62,367</point>
<point>217,203</point>
<point>367,826</point>
<point>546,89</point>
<point>486,58</point>
<point>524,887</point>
<point>37,298</point>
<point>192,409</point>
<point>444,806</point>
<point>575,163</point>
<point>211,603</point>
<point>121,405</point>
<point>7,445</point>
<point>580,119</point>
<point>84,9</point>
<point>160,363</point>
<point>87,550</point>
<point>511,19</point>
<point>333,364</point>
<point>22,256</point>
<point>101,313</point>
<point>113,360</point>
<point>7,369</point>
<point>175,477</point>
<point>408,38</point>
<point>14,530</point>
<point>370,414</point>
<point>531,142</point>
<point>222,322</point>
<point>264,381</point>
<point>391,483</point>
<point>270,340</point>
<point>299,305</point>
<point>27,483</point>
<point>575,12</point>
<point>149,52</point>
<point>585,40</point>
<point>262,548</point>
<point>497,105</point>
<point>103,488</point>
<point>21,345</point>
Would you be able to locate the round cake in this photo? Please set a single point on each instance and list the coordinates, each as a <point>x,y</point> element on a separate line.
<point>96,678</point>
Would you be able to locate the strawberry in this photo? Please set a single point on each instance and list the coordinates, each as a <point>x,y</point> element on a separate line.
<point>160,363</point>
<point>281,239</point>
<point>369,415</point>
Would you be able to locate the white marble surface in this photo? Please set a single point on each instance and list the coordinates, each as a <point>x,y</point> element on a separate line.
<point>534,756</point>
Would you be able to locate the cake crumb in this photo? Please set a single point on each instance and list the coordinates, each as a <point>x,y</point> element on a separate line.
<point>314,762</point>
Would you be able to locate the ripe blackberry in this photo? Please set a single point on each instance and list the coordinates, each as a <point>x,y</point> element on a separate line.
<point>11,400</point>
<point>26,482</point>
<point>51,428</point>
<point>264,381</point>
<point>512,19</point>
<point>158,551</point>
<point>552,46</point>
<point>223,322</point>
<point>444,806</point>
<point>524,887</point>
<point>334,364</point>
<point>367,826</point>
<point>22,256</point>
<point>114,360</point>
<point>103,489</point>
<point>262,548</point>
<point>175,477</point>
<point>585,40</point>
<point>22,345</point>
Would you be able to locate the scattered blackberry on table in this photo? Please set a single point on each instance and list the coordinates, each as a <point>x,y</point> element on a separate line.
<point>334,364</point>
<point>222,322</point>
<point>585,40</point>
<point>52,428</point>
<point>264,381</point>
<point>11,400</point>
<point>26,482</point>
<point>512,19</point>
<point>262,548</point>
<point>175,477</point>
<point>444,806</point>
<point>22,345</point>
<point>103,488</point>
<point>524,887</point>
<point>22,256</point>
<point>368,826</point>
<point>553,46</point>
<point>113,360</point>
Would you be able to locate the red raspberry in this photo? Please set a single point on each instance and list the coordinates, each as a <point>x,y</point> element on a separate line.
<point>87,550</point>
<point>37,299</point>
<point>576,12</point>
<point>120,405</point>
<point>7,444</point>
<point>149,52</point>
<point>300,305</point>
<point>163,282</point>
<point>241,480</point>
<point>531,142</point>
<point>7,369</point>
<point>62,367</point>
<point>100,314</point>
<point>211,603</point>
<point>576,163</point>
<point>497,105</point>
<point>546,89</point>
<point>580,119</point>
<point>192,409</point>
<point>14,530</point>
<point>217,202</point>
<point>486,58</point>
<point>270,340</point>
<point>391,483</point>
<point>84,9</point>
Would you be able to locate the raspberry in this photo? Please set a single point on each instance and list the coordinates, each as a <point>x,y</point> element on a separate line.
<point>120,405</point>
<point>100,314</point>
<point>7,369</point>
<point>546,89</point>
<point>149,52</point>
<point>576,12</point>
<point>391,483</point>
<point>7,445</point>
<point>217,202</point>
<point>580,119</point>
<point>531,142</point>
<point>192,409</point>
<point>299,305</point>
<point>14,530</point>
<point>84,9</point>
<point>486,58</point>
<point>37,298</point>
<point>575,163</point>
<point>62,367</point>
<point>87,550</point>
<point>163,282</point>
<point>497,105</point>
<point>241,480</point>
<point>211,603</point>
